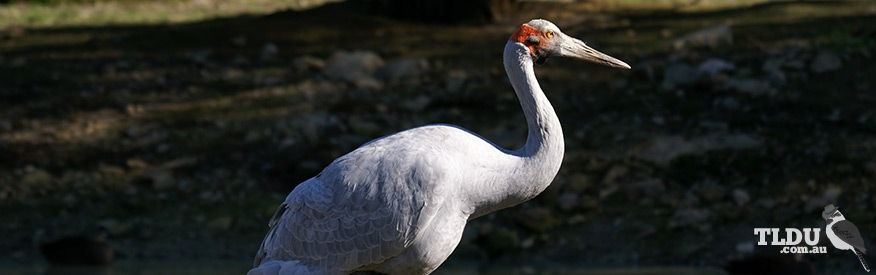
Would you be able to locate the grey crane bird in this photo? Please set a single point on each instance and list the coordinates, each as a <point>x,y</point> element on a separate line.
<point>399,204</point>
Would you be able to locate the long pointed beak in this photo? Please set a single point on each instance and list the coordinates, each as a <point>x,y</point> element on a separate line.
<point>575,48</point>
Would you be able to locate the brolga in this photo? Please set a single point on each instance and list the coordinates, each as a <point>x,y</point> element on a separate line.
<point>399,204</point>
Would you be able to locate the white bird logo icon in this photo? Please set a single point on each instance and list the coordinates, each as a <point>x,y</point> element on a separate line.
<point>843,234</point>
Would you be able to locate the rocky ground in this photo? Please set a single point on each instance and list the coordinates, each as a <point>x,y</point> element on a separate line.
<point>182,139</point>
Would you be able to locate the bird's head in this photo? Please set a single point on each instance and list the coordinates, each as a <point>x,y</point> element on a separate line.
<point>544,39</point>
<point>831,212</point>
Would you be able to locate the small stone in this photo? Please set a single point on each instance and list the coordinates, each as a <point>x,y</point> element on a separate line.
<point>527,243</point>
<point>36,177</point>
<point>350,66</point>
<point>162,178</point>
<point>406,70</point>
<point>308,63</point>
<point>136,163</point>
<point>714,66</point>
<point>663,150</point>
<point>826,61</point>
<point>773,69</point>
<point>713,37</point>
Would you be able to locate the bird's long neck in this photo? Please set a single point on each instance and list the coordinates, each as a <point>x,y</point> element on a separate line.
<point>530,169</point>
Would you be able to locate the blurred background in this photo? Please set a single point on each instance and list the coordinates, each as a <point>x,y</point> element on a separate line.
<point>180,125</point>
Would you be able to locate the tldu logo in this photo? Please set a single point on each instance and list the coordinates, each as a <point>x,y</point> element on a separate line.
<point>843,235</point>
<point>793,236</point>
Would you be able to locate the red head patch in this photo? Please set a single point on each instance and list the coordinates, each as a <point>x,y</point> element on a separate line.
<point>525,32</point>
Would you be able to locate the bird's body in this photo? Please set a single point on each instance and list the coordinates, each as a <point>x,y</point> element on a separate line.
<point>399,204</point>
<point>834,238</point>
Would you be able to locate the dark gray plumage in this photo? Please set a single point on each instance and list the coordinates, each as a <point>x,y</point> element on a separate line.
<point>848,232</point>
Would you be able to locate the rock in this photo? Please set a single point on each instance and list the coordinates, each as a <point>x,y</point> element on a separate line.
<point>714,66</point>
<point>527,243</point>
<point>352,66</point>
<point>407,70</point>
<point>826,61</point>
<point>773,69</point>
<point>663,150</point>
<point>161,178</point>
<point>269,50</point>
<point>749,86</point>
<point>740,196</point>
<point>368,83</point>
<point>713,37</point>
<point>136,163</point>
<point>678,74</point>
<point>36,177</point>
<point>307,64</point>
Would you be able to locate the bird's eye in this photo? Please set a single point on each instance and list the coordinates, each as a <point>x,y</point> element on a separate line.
<point>549,34</point>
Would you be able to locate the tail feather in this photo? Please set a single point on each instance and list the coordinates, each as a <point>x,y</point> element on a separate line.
<point>275,267</point>
<point>262,253</point>
<point>862,259</point>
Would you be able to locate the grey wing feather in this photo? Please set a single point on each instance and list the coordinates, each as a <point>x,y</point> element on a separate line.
<point>331,225</point>
<point>260,255</point>
<point>364,208</point>
<point>848,232</point>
